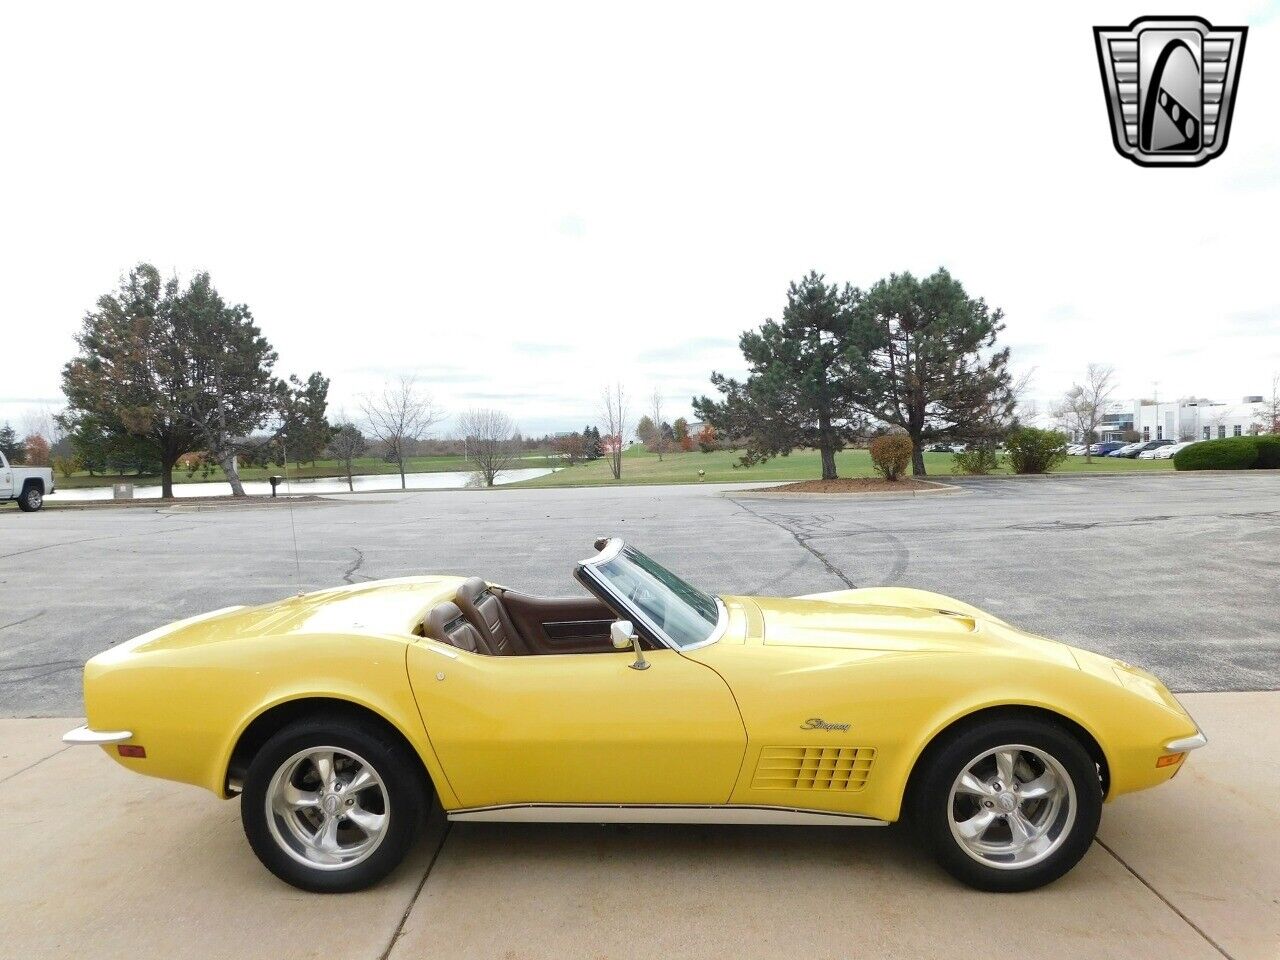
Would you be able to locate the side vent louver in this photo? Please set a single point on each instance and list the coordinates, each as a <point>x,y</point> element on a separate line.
<point>813,768</point>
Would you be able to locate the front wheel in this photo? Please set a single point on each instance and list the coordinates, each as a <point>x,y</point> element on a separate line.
<point>333,806</point>
<point>1009,805</point>
<point>31,499</point>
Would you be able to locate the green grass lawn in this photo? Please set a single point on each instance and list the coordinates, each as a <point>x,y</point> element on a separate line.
<point>321,468</point>
<point>639,466</point>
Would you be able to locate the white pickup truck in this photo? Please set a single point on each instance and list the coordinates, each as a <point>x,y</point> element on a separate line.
<point>28,485</point>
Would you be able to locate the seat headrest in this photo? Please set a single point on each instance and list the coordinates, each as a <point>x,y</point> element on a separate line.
<point>438,619</point>
<point>471,589</point>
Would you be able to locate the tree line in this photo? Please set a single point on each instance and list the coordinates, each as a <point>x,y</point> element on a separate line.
<point>170,375</point>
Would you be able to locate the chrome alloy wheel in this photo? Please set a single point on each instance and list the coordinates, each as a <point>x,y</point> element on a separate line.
<point>1012,806</point>
<point>327,808</point>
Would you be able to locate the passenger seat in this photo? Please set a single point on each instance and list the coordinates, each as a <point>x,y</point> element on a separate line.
<point>445,622</point>
<point>486,613</point>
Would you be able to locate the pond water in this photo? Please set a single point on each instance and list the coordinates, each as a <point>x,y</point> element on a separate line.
<point>318,485</point>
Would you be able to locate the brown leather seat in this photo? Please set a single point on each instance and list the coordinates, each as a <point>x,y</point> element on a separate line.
<point>485,611</point>
<point>446,623</point>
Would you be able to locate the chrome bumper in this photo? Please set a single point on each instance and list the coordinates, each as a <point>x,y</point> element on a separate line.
<point>1187,743</point>
<point>81,736</point>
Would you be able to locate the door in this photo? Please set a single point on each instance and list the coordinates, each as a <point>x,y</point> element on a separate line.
<point>578,728</point>
<point>6,478</point>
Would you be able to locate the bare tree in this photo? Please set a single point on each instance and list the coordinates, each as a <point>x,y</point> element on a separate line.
<point>1268,411</point>
<point>490,438</point>
<point>1083,406</point>
<point>347,443</point>
<point>660,438</point>
<point>400,415</point>
<point>613,417</point>
<point>42,422</point>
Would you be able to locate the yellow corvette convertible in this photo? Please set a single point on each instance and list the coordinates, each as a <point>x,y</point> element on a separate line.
<point>337,715</point>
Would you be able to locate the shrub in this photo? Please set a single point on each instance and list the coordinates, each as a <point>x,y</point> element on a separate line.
<point>1036,451</point>
<point>707,440</point>
<point>1268,451</point>
<point>890,454</point>
<point>1229,453</point>
<point>976,461</point>
<point>66,466</point>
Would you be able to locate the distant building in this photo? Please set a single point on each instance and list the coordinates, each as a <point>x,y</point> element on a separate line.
<point>1188,419</point>
<point>1195,420</point>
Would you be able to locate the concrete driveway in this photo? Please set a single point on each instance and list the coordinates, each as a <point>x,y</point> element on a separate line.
<point>103,864</point>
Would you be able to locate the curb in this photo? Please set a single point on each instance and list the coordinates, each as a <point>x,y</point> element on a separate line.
<point>766,494</point>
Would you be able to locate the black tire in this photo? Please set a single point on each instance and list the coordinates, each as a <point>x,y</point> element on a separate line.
<point>405,804</point>
<point>31,499</point>
<point>932,804</point>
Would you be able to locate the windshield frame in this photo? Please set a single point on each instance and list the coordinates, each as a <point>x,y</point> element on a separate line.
<point>589,568</point>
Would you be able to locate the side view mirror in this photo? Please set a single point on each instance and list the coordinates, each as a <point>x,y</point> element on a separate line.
<point>623,635</point>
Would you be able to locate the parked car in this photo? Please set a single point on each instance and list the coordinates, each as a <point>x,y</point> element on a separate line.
<point>1125,450</point>
<point>340,717</point>
<point>1077,450</point>
<point>1106,447</point>
<point>1165,453</point>
<point>1135,449</point>
<point>28,485</point>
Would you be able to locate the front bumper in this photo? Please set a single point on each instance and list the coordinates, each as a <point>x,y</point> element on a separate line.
<point>83,736</point>
<point>1187,743</point>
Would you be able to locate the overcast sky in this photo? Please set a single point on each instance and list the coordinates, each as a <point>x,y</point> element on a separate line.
<point>522,202</point>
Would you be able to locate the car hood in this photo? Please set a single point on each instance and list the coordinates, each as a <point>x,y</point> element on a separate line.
<point>897,619</point>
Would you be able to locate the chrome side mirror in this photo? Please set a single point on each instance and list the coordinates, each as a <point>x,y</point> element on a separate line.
<point>623,635</point>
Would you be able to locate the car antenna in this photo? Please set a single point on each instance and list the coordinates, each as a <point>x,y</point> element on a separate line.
<point>293,527</point>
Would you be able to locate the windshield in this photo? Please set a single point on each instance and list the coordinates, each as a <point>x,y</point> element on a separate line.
<point>684,613</point>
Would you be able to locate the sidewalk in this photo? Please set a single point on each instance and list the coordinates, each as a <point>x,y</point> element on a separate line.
<point>101,863</point>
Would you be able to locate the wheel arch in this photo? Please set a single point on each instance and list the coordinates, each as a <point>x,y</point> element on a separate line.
<point>1002,712</point>
<point>277,716</point>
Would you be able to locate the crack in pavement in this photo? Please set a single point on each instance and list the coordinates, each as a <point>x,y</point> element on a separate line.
<point>21,676</point>
<point>413,901</point>
<point>1163,899</point>
<point>1072,525</point>
<point>29,766</point>
<point>351,572</point>
<point>71,543</point>
<point>16,623</point>
<point>802,540</point>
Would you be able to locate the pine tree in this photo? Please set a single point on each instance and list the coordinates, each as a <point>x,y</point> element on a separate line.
<point>798,391</point>
<point>9,444</point>
<point>923,358</point>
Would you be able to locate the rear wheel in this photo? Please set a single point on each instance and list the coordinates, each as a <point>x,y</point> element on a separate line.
<point>31,499</point>
<point>1009,805</point>
<point>332,806</point>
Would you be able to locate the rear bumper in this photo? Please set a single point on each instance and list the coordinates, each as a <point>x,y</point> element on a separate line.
<point>83,736</point>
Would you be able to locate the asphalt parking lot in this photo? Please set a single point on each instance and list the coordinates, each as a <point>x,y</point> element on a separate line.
<point>1176,573</point>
